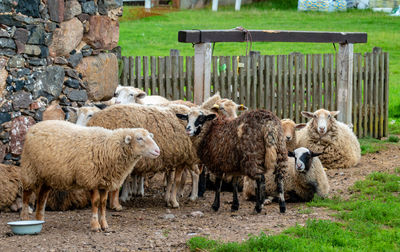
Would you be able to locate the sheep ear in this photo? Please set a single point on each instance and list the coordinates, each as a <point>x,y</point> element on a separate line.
<point>128,139</point>
<point>182,116</point>
<point>307,114</point>
<point>241,107</point>
<point>300,125</point>
<point>291,154</point>
<point>313,154</point>
<point>334,113</point>
<point>210,117</point>
<point>100,105</point>
<point>141,95</point>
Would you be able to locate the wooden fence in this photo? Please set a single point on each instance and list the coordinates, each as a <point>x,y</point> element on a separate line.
<point>284,84</point>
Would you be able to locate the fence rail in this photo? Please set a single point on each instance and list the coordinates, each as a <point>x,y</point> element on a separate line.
<point>284,84</point>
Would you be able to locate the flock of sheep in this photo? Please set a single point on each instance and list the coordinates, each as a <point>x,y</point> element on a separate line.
<point>69,164</point>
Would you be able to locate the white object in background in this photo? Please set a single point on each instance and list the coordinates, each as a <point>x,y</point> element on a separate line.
<point>396,11</point>
<point>237,5</point>
<point>387,10</point>
<point>363,4</point>
<point>215,5</point>
<point>147,4</point>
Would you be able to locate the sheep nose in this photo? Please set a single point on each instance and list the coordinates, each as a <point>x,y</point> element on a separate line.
<point>117,102</point>
<point>157,151</point>
<point>288,138</point>
<point>321,128</point>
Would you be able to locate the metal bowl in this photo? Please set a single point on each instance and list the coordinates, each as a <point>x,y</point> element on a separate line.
<point>26,227</point>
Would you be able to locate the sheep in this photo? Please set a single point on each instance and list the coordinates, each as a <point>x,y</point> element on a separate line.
<point>129,95</point>
<point>248,145</point>
<point>10,185</point>
<point>289,132</point>
<point>177,150</point>
<point>335,140</point>
<point>304,177</point>
<point>64,156</point>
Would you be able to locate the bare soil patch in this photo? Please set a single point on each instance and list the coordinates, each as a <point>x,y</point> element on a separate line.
<point>146,224</point>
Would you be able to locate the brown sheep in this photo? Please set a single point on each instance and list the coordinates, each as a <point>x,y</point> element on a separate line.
<point>289,132</point>
<point>63,156</point>
<point>248,145</point>
<point>10,185</point>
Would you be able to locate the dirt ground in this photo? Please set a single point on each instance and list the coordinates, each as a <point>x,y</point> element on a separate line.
<point>146,224</point>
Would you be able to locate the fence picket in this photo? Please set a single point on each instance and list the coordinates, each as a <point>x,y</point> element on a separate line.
<point>161,76</point>
<point>235,70</point>
<point>153,65</point>
<point>146,74</point>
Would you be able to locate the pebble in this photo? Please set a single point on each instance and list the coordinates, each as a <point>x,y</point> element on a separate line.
<point>197,214</point>
<point>169,216</point>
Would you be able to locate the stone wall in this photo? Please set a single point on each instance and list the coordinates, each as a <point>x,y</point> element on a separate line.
<point>53,54</point>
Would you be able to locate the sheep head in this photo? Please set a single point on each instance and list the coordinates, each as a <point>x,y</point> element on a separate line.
<point>289,127</point>
<point>129,95</point>
<point>141,141</point>
<point>195,120</point>
<point>84,114</point>
<point>321,120</point>
<point>227,108</point>
<point>303,158</point>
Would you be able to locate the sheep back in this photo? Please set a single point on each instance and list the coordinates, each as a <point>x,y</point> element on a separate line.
<point>339,146</point>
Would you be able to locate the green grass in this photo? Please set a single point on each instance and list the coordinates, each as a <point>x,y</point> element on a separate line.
<point>156,35</point>
<point>372,145</point>
<point>369,221</point>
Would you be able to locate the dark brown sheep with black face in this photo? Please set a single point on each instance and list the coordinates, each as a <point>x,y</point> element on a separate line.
<point>248,145</point>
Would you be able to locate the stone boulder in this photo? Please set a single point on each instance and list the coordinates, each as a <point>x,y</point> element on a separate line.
<point>103,33</point>
<point>50,81</point>
<point>19,128</point>
<point>100,74</point>
<point>3,74</point>
<point>72,9</point>
<point>66,38</point>
<point>56,10</point>
<point>3,150</point>
<point>53,112</point>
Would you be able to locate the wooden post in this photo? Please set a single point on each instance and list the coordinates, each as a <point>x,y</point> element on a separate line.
<point>345,82</point>
<point>147,5</point>
<point>202,72</point>
<point>214,5</point>
<point>237,5</point>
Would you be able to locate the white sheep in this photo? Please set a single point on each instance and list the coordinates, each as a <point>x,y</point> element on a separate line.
<point>64,156</point>
<point>304,177</point>
<point>335,140</point>
<point>130,95</point>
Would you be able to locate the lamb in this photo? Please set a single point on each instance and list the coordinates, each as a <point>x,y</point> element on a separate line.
<point>129,95</point>
<point>304,177</point>
<point>10,186</point>
<point>63,156</point>
<point>250,145</point>
<point>335,140</point>
<point>177,149</point>
<point>289,131</point>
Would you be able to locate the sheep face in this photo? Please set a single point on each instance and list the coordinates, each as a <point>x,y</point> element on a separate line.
<point>84,114</point>
<point>321,120</point>
<point>303,158</point>
<point>289,127</point>
<point>227,108</point>
<point>195,120</point>
<point>128,95</point>
<point>143,143</point>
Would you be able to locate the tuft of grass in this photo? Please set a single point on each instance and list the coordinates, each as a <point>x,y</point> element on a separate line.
<point>393,139</point>
<point>369,222</point>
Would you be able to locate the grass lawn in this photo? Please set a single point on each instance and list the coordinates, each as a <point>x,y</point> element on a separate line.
<point>369,221</point>
<point>156,35</point>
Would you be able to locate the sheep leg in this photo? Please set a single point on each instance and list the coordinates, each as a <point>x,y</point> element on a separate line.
<point>25,204</point>
<point>95,199</point>
<point>103,203</point>
<point>177,181</point>
<point>169,175</point>
<point>125,191</point>
<point>235,203</point>
<point>135,185</point>
<point>181,185</point>
<point>41,202</point>
<point>282,203</point>
<point>114,201</point>
<point>202,183</point>
<point>195,186</point>
<point>218,185</point>
<point>260,193</point>
<point>140,190</point>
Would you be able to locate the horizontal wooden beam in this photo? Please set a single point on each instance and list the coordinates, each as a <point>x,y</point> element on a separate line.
<point>209,36</point>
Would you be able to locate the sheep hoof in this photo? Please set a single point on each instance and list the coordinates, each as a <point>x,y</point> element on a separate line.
<point>282,207</point>
<point>95,227</point>
<point>193,198</point>
<point>117,208</point>
<point>175,205</point>
<point>234,208</point>
<point>215,207</point>
<point>258,209</point>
